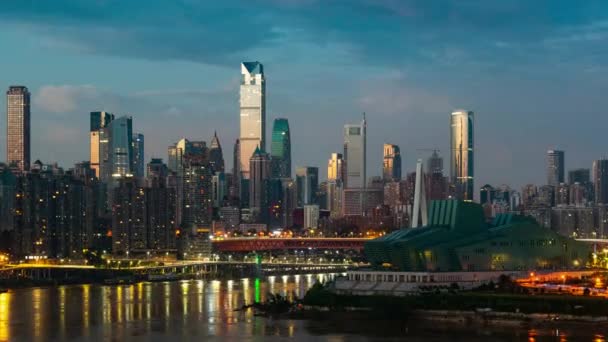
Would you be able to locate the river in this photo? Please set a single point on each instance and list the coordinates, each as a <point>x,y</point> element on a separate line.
<point>197,310</point>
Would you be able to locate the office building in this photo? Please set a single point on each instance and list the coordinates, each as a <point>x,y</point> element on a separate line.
<point>252,113</point>
<point>462,157</point>
<point>361,202</point>
<point>18,127</point>
<point>121,147</point>
<point>334,198</point>
<point>487,194</point>
<point>280,151</point>
<point>138,157</point>
<point>391,167</point>
<point>216,156</point>
<point>311,216</point>
<point>437,184</point>
<point>307,184</point>
<point>259,166</point>
<point>581,176</point>
<point>355,155</point>
<point>98,142</point>
<point>335,168</point>
<point>600,181</point>
<point>219,189</point>
<point>555,167</point>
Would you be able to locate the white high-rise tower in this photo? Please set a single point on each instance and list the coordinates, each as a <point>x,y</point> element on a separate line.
<point>253,113</point>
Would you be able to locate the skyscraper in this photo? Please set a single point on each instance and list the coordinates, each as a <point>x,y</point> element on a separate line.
<point>600,181</point>
<point>307,184</point>
<point>236,161</point>
<point>582,176</point>
<point>216,156</point>
<point>253,113</point>
<point>437,186</point>
<point>138,157</point>
<point>157,173</point>
<point>280,151</point>
<point>435,164</point>
<point>355,154</point>
<point>260,173</point>
<point>555,167</point>
<point>391,167</point>
<point>461,160</point>
<point>121,147</point>
<point>197,191</point>
<point>218,189</point>
<point>335,167</point>
<point>18,127</point>
<point>99,149</point>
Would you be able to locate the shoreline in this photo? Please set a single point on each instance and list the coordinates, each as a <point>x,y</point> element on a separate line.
<point>453,317</point>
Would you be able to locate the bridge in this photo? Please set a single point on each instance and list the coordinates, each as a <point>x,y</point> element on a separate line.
<point>276,244</point>
<point>598,244</point>
<point>78,273</point>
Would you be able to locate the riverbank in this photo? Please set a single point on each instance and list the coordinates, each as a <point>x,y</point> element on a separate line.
<point>473,307</point>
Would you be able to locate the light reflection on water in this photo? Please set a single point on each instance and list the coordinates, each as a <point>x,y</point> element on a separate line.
<point>195,309</point>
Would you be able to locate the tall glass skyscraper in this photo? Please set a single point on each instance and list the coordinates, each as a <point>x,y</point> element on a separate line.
<point>555,167</point>
<point>260,172</point>
<point>99,138</point>
<point>121,147</point>
<point>138,157</point>
<point>391,166</point>
<point>600,181</point>
<point>355,145</point>
<point>253,113</point>
<point>335,167</point>
<point>18,127</point>
<point>281,149</point>
<point>307,184</point>
<point>461,160</point>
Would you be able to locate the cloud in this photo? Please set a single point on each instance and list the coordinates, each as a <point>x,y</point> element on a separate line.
<point>64,98</point>
<point>385,31</point>
<point>393,95</point>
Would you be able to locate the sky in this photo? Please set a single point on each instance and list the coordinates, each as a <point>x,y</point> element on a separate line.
<point>534,72</point>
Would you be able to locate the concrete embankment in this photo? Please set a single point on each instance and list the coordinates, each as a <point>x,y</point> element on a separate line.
<point>502,318</point>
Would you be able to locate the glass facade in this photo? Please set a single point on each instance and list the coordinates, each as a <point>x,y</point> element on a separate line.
<point>600,181</point>
<point>461,161</point>
<point>307,184</point>
<point>281,149</point>
<point>121,151</point>
<point>18,127</point>
<point>252,113</point>
<point>98,142</point>
<point>335,167</point>
<point>355,155</point>
<point>391,168</point>
<point>138,156</point>
<point>216,156</point>
<point>555,167</point>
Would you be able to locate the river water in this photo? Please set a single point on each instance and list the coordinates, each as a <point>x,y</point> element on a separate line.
<point>202,310</point>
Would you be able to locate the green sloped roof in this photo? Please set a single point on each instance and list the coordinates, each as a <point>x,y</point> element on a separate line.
<point>455,226</point>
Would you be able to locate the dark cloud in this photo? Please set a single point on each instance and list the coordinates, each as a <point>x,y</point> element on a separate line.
<point>386,31</point>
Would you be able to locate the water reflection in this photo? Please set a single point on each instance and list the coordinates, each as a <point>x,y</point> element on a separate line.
<point>196,310</point>
<point>5,304</point>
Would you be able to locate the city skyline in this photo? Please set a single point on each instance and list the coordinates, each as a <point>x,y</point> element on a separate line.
<point>404,93</point>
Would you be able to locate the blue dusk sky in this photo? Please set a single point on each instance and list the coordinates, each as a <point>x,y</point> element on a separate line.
<point>534,72</point>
